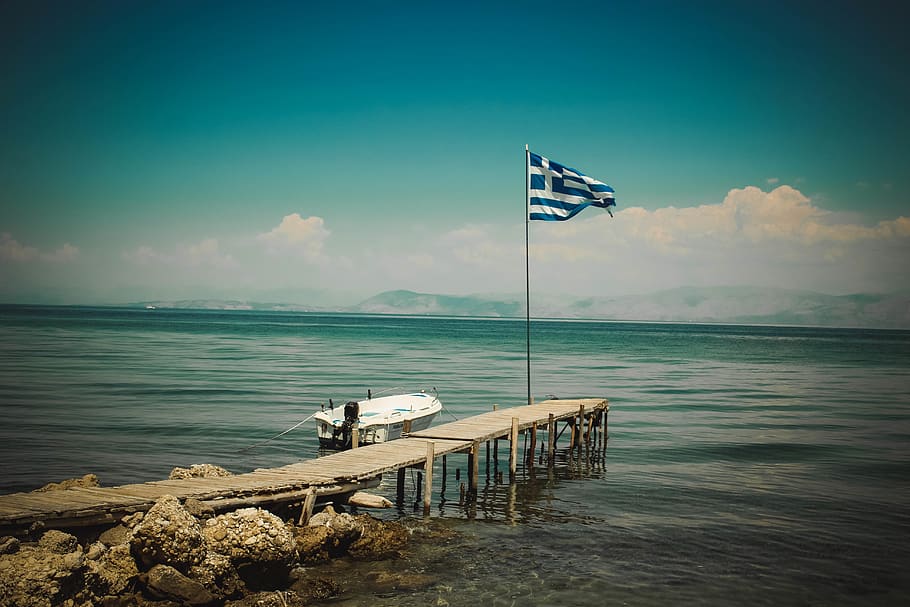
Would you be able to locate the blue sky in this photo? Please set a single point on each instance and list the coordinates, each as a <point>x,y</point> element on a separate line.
<point>288,151</point>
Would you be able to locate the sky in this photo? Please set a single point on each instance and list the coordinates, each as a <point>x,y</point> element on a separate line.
<point>324,152</point>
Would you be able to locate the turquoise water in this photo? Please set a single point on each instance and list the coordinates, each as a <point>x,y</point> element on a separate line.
<point>754,465</point>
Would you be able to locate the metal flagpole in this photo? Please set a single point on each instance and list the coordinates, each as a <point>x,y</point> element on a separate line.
<point>528,264</point>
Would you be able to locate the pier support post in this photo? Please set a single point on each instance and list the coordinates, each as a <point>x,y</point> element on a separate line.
<point>406,427</point>
<point>513,449</point>
<point>474,466</point>
<point>533,442</point>
<point>355,437</point>
<point>428,478</point>
<point>551,437</point>
<point>399,487</point>
<point>487,450</point>
<point>307,511</point>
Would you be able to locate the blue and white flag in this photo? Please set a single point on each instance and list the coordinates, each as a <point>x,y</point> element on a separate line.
<point>557,193</point>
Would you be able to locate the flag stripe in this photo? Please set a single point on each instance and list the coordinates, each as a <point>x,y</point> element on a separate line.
<point>557,193</point>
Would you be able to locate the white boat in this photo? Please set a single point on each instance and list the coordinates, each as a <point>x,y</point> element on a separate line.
<point>377,420</point>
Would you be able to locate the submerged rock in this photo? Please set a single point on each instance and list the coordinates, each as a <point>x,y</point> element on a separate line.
<point>275,598</point>
<point>378,539</point>
<point>168,535</point>
<point>199,471</point>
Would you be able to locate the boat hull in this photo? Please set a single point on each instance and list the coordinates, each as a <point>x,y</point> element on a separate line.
<point>380,420</point>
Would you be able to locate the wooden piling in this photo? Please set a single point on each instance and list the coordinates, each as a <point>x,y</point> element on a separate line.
<point>307,511</point>
<point>533,441</point>
<point>551,436</point>
<point>428,478</point>
<point>355,437</point>
<point>513,449</point>
<point>473,469</point>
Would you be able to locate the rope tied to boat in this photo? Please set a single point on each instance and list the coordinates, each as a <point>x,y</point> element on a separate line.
<point>268,440</point>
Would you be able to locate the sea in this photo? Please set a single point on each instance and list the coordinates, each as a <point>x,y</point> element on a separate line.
<point>753,465</point>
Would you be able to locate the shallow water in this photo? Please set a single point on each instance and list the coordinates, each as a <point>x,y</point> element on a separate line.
<point>757,465</point>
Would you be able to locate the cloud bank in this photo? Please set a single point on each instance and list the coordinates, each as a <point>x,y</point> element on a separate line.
<point>775,238</point>
<point>11,250</point>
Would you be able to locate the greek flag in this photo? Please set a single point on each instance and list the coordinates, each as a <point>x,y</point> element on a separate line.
<point>557,193</point>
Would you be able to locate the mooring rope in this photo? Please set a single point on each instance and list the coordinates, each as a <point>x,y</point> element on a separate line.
<point>295,426</point>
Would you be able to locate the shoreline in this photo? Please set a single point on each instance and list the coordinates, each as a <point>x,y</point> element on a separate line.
<point>182,553</point>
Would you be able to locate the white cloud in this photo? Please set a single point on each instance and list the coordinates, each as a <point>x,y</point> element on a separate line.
<point>296,235</point>
<point>205,253</point>
<point>775,238</point>
<point>476,245</point>
<point>12,250</point>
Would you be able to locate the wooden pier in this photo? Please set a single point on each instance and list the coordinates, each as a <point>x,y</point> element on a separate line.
<point>333,477</point>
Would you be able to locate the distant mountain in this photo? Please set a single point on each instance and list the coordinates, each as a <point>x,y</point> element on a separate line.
<point>746,305</point>
<point>409,302</point>
<point>743,305</point>
<point>750,305</point>
<point>230,304</point>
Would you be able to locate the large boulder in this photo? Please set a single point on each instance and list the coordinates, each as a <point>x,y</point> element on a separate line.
<point>329,534</point>
<point>168,535</point>
<point>198,471</point>
<point>250,535</point>
<point>41,575</point>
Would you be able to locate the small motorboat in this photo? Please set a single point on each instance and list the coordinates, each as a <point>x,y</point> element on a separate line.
<point>377,420</point>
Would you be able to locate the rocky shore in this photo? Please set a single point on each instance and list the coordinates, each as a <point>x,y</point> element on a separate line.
<point>183,554</point>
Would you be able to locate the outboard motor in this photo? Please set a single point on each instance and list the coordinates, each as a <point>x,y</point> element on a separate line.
<point>351,414</point>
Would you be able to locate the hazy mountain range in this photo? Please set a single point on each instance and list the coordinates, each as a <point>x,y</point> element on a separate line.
<point>746,305</point>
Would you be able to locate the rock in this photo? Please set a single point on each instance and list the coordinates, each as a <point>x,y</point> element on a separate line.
<point>9,545</point>
<point>198,509</point>
<point>250,535</point>
<point>168,535</point>
<point>118,534</point>
<point>198,471</point>
<point>313,587</point>
<point>112,573</point>
<point>58,542</point>
<point>378,539</point>
<point>287,598</point>
<point>131,520</point>
<point>89,480</point>
<point>393,581</point>
<point>218,575</point>
<point>312,543</point>
<point>368,500</point>
<point>95,551</point>
<point>36,576</point>
<point>170,583</point>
